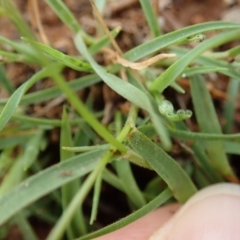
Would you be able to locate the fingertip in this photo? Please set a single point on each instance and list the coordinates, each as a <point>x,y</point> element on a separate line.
<point>142,228</point>
<point>213,213</point>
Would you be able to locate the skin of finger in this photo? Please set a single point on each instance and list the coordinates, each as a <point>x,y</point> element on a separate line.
<point>214,218</point>
<point>223,199</point>
<point>144,227</point>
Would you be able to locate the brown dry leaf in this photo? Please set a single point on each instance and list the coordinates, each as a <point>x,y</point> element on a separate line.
<point>143,64</point>
<point>138,65</point>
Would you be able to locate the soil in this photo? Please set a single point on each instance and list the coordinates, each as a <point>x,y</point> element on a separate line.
<point>173,15</point>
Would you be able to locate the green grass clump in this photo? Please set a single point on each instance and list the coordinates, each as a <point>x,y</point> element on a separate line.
<point>85,153</point>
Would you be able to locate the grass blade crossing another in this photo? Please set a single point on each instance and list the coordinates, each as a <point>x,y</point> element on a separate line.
<point>170,171</point>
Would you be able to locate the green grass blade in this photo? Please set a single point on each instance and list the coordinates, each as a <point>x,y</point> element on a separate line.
<point>103,42</point>
<point>201,158</point>
<point>64,14</point>
<point>200,179</point>
<point>129,184</point>
<point>13,177</point>
<point>46,123</point>
<point>202,70</point>
<point>5,81</point>
<point>46,181</point>
<point>67,17</point>
<point>135,158</point>
<point>29,55</point>
<point>158,201</point>
<point>54,92</point>
<point>203,161</point>
<point>8,57</point>
<point>123,167</point>
<point>14,100</point>
<point>168,169</point>
<point>112,179</point>
<point>62,223</point>
<point>33,147</point>
<point>174,37</point>
<point>232,147</point>
<point>151,18</point>
<point>16,18</point>
<point>177,68</point>
<point>15,139</point>
<point>229,104</point>
<point>125,89</point>
<point>69,190</point>
<point>223,67</point>
<point>86,114</point>
<point>187,135</point>
<point>78,199</point>
<point>96,197</point>
<point>208,122</point>
<point>233,52</point>
<point>67,60</point>
<point>86,148</point>
<point>26,229</point>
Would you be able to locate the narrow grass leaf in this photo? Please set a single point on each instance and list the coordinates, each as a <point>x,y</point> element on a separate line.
<point>202,70</point>
<point>171,38</point>
<point>64,14</point>
<point>53,92</point>
<point>151,18</point>
<point>13,177</point>
<point>14,100</point>
<point>112,179</point>
<point>201,158</point>
<point>5,81</point>
<point>33,147</point>
<point>230,105</point>
<point>86,148</point>
<point>200,179</point>
<point>60,226</point>
<point>188,135</point>
<point>96,197</point>
<point>177,68</point>
<point>223,67</point>
<point>16,18</point>
<point>30,55</point>
<point>169,170</point>
<point>82,110</point>
<point>8,57</point>
<point>103,42</point>
<point>15,139</point>
<point>158,201</point>
<point>45,182</point>
<point>67,17</point>
<point>130,186</point>
<point>125,89</point>
<point>150,132</point>
<point>67,60</point>
<point>208,122</point>
<point>25,227</point>
<point>69,190</point>
<point>45,123</point>
<point>80,137</point>
<point>137,159</point>
<point>231,147</point>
